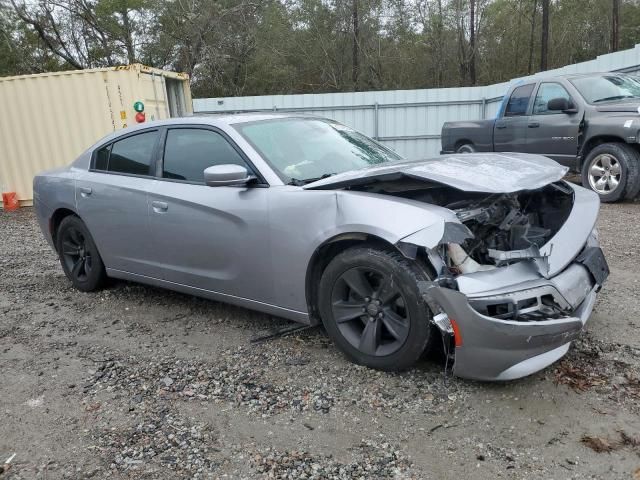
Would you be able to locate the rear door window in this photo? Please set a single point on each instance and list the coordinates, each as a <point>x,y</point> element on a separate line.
<point>519,101</point>
<point>189,151</point>
<point>132,155</point>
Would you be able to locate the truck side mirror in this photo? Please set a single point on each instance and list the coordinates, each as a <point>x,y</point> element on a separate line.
<point>561,105</point>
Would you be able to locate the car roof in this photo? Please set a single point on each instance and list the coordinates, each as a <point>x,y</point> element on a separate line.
<point>221,118</point>
<point>215,120</point>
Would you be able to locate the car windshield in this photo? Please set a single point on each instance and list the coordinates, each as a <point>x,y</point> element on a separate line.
<point>604,88</point>
<point>303,150</point>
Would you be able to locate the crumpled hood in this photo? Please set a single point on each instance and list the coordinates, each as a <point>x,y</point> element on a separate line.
<point>477,172</point>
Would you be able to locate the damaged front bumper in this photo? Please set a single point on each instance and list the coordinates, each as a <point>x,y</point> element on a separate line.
<point>524,322</point>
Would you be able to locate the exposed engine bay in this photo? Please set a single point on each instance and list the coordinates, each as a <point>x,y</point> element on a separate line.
<point>506,227</point>
<point>509,227</point>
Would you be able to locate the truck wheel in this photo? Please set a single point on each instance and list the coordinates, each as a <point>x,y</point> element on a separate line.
<point>612,170</point>
<point>466,148</point>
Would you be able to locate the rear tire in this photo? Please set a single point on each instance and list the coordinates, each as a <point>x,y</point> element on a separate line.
<point>466,148</point>
<point>372,309</point>
<point>79,255</point>
<point>612,170</point>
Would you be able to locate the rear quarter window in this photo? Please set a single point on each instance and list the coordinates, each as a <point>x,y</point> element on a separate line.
<point>102,158</point>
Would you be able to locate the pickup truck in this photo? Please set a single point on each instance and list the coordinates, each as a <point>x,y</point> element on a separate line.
<point>589,123</point>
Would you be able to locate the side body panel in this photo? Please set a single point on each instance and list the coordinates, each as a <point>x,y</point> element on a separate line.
<point>555,136</point>
<point>213,238</point>
<point>53,190</point>
<point>477,132</point>
<point>510,134</point>
<point>114,208</point>
<point>614,124</point>
<point>302,221</point>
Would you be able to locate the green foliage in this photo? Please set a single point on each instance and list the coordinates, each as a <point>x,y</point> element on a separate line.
<point>256,47</point>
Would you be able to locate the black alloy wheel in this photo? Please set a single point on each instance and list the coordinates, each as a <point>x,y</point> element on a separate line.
<point>79,255</point>
<point>75,254</point>
<point>370,311</point>
<point>372,307</point>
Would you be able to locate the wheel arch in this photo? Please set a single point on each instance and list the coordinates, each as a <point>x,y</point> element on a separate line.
<point>598,140</point>
<point>332,247</point>
<point>464,141</point>
<point>55,220</point>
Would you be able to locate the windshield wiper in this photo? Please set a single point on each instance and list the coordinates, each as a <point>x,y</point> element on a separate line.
<point>299,183</point>
<point>616,97</point>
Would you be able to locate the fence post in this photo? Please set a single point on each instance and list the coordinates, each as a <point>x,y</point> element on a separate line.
<point>483,108</point>
<point>375,120</point>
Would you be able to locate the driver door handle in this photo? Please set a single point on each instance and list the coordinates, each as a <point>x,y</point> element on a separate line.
<point>160,207</point>
<point>501,125</point>
<point>533,124</point>
<point>85,191</point>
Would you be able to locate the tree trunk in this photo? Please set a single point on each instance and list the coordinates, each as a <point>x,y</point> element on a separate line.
<point>532,37</point>
<point>355,68</point>
<point>615,26</point>
<point>544,43</point>
<point>472,41</point>
<point>462,47</point>
<point>128,37</point>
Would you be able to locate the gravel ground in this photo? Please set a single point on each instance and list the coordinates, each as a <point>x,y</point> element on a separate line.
<point>138,382</point>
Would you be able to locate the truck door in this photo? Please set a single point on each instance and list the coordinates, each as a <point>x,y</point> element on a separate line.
<point>510,131</point>
<point>553,133</point>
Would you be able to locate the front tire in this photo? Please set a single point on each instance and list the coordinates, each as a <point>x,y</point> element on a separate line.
<point>79,255</point>
<point>372,309</point>
<point>612,170</point>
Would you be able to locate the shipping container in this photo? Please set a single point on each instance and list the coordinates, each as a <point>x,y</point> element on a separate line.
<point>49,119</point>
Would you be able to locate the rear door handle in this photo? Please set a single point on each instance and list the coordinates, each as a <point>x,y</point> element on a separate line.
<point>533,125</point>
<point>160,207</point>
<point>85,191</point>
<point>501,125</point>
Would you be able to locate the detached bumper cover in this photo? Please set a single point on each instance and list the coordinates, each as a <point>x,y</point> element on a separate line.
<point>505,349</point>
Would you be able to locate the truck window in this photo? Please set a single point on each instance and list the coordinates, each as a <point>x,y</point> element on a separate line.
<point>518,101</point>
<point>546,92</point>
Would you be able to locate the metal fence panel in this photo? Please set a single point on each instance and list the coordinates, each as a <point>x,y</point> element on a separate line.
<point>408,121</point>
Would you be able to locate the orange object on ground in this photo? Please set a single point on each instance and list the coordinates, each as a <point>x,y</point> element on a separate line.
<point>10,201</point>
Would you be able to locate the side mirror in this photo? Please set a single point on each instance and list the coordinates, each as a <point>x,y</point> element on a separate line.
<point>561,105</point>
<point>226,175</point>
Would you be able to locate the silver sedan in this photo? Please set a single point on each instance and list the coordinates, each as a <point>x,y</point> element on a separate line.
<point>492,255</point>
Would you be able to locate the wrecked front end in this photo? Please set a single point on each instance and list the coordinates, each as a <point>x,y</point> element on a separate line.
<point>517,263</point>
<point>520,286</point>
